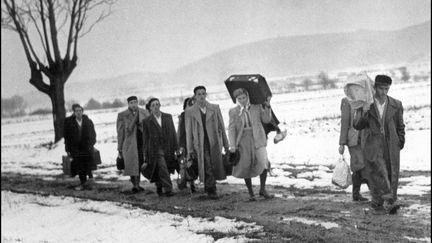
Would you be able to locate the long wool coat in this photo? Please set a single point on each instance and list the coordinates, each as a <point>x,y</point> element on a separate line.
<point>217,138</point>
<point>156,137</point>
<point>258,116</point>
<point>127,125</point>
<point>73,143</point>
<point>394,137</point>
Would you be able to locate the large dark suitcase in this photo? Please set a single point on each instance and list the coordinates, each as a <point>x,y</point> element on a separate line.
<point>255,84</point>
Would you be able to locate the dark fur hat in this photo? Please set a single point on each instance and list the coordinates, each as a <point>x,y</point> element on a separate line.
<point>382,80</point>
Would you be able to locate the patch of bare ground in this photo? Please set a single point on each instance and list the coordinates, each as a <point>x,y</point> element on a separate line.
<point>302,215</point>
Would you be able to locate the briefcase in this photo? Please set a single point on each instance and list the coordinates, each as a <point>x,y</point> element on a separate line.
<point>255,84</point>
<point>96,156</point>
<point>69,167</point>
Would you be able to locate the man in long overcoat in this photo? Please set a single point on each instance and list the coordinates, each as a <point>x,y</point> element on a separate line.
<point>80,137</point>
<point>205,138</point>
<point>130,140</point>
<point>160,144</point>
<point>382,139</point>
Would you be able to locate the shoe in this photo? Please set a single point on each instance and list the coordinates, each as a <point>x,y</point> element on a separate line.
<point>159,191</point>
<point>390,208</point>
<point>266,195</point>
<point>169,194</point>
<point>280,136</point>
<point>135,190</point>
<point>252,197</point>
<point>360,198</point>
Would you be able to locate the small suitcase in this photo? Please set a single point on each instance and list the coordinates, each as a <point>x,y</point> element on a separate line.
<point>96,156</point>
<point>255,84</point>
<point>68,165</point>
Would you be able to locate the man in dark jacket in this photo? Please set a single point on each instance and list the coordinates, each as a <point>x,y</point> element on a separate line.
<point>382,139</point>
<point>80,137</point>
<point>160,144</point>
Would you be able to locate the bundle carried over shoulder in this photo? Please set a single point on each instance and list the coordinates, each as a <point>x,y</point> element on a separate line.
<point>359,90</point>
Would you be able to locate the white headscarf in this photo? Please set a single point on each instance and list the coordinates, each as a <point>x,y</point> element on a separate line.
<point>359,90</point>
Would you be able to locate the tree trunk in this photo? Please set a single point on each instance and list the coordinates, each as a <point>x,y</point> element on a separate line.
<point>56,95</point>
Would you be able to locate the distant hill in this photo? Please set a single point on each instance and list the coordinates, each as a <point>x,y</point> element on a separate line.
<point>312,53</point>
<point>276,57</point>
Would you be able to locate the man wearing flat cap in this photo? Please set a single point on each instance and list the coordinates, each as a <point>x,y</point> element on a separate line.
<point>130,140</point>
<point>383,137</point>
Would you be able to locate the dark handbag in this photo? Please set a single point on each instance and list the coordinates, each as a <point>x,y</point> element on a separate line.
<point>227,165</point>
<point>234,157</point>
<point>69,166</point>
<point>96,156</point>
<point>120,163</point>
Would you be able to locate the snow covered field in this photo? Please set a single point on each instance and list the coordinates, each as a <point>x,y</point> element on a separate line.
<point>304,160</point>
<point>66,219</point>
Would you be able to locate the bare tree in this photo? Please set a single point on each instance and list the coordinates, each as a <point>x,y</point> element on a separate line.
<point>44,21</point>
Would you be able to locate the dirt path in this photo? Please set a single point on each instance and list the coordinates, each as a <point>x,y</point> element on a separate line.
<point>341,219</point>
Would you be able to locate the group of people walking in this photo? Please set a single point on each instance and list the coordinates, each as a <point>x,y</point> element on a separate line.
<point>375,135</point>
<point>149,144</point>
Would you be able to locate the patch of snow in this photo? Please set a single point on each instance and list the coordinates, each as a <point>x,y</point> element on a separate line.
<point>36,218</point>
<point>327,225</point>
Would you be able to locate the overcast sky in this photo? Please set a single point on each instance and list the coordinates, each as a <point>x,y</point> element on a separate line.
<point>160,36</point>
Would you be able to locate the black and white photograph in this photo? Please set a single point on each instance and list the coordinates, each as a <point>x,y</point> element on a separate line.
<point>220,121</point>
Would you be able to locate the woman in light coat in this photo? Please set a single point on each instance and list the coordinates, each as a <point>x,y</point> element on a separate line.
<point>246,134</point>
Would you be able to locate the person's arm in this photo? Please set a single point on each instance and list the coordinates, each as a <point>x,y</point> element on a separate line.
<point>66,134</point>
<point>189,135</point>
<point>146,140</point>
<point>222,130</point>
<point>92,133</point>
<point>400,126</point>
<point>120,134</point>
<point>173,132</point>
<point>266,111</point>
<point>345,125</point>
<point>231,130</point>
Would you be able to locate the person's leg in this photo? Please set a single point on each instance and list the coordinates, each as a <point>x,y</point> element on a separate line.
<point>164,176</point>
<point>356,179</point>
<point>192,186</point>
<point>248,182</point>
<point>209,179</point>
<point>82,172</point>
<point>263,192</point>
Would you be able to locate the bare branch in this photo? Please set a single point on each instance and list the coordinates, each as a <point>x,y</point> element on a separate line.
<point>53,28</point>
<point>29,11</point>
<point>12,12</point>
<point>70,35</point>
<point>47,40</point>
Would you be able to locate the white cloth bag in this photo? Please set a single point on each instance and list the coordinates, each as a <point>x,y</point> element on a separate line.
<point>342,174</point>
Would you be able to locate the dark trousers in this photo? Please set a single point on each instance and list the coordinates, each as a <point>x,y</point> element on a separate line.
<point>164,179</point>
<point>83,163</point>
<point>357,179</point>
<point>380,185</point>
<point>136,179</point>
<point>209,179</point>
